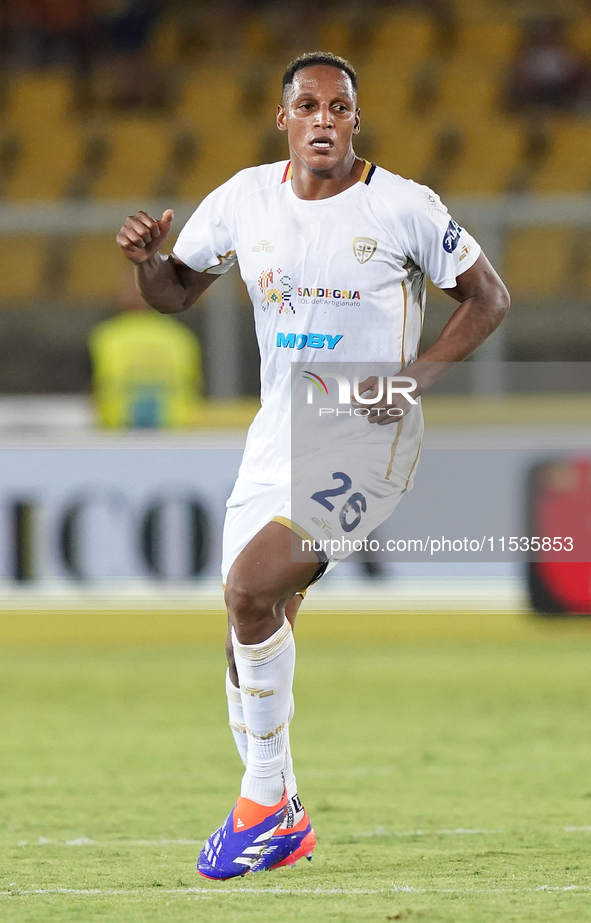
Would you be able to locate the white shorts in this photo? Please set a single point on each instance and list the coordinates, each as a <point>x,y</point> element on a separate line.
<point>332,506</point>
<point>250,507</point>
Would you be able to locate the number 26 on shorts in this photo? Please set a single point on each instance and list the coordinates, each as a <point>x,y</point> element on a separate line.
<point>356,502</point>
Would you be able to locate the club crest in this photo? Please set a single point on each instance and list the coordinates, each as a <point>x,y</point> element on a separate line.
<point>364,248</point>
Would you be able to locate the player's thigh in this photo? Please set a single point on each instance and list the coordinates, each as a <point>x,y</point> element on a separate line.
<point>264,570</point>
<point>248,510</point>
<point>253,590</point>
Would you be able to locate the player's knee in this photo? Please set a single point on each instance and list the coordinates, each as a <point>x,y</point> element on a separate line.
<point>249,609</point>
<point>244,602</point>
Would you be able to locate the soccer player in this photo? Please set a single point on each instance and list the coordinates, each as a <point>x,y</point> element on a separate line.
<point>334,252</point>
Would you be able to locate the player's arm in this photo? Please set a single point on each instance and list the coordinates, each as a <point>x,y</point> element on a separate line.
<point>484,302</point>
<point>166,283</point>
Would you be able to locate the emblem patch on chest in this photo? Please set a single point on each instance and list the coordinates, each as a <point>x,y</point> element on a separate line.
<point>364,248</point>
<point>276,290</point>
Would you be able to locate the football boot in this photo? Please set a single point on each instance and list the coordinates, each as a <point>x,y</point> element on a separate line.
<point>235,847</point>
<point>286,846</point>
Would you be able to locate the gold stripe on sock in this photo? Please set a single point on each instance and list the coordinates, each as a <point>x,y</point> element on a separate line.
<point>269,736</point>
<point>258,653</point>
<point>233,693</point>
<point>256,693</point>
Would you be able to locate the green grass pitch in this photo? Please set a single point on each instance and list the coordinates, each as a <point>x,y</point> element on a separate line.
<point>447,781</point>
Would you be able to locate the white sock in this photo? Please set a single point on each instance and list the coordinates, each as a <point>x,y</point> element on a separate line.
<point>295,811</point>
<point>236,716</point>
<point>265,672</point>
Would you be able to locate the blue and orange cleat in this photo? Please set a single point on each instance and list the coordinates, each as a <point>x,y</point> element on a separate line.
<point>287,846</point>
<point>233,849</point>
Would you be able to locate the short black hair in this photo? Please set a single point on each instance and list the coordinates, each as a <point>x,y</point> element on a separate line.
<point>314,59</point>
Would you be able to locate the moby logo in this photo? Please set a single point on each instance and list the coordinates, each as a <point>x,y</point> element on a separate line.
<point>311,340</point>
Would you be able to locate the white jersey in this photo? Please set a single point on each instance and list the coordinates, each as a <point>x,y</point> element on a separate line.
<point>337,279</point>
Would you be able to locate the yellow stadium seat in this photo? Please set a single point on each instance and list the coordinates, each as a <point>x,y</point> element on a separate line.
<point>228,140</point>
<point>48,159</point>
<point>384,94</point>
<point>259,94</point>
<point>96,269</point>
<point>579,34</point>
<point>335,34</point>
<point>537,260</point>
<point>483,10</point>
<point>218,159</point>
<point>259,39</point>
<point>211,96</point>
<point>485,43</point>
<point>403,39</point>
<point>568,167</point>
<point>490,155</point>
<point>37,100</point>
<point>405,146</point>
<point>165,42</point>
<point>22,265</point>
<point>466,94</point>
<point>139,154</point>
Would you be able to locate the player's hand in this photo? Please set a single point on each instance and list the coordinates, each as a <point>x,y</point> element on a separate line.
<point>383,412</point>
<point>142,236</point>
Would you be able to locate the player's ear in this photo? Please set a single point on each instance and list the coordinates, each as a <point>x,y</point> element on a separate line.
<point>357,127</point>
<point>281,123</point>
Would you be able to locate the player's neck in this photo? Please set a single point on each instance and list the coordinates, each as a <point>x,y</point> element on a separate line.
<point>312,185</point>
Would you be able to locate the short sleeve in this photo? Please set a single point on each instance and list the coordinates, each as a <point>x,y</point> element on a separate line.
<point>206,243</point>
<point>437,243</point>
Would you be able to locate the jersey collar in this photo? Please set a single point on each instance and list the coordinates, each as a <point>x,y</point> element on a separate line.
<point>366,174</point>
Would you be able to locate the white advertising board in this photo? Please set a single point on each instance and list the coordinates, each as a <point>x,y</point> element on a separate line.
<point>129,507</point>
<point>114,508</point>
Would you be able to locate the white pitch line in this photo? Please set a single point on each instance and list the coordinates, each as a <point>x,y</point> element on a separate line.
<point>101,844</point>
<point>118,844</point>
<point>459,831</point>
<point>365,834</point>
<point>216,891</point>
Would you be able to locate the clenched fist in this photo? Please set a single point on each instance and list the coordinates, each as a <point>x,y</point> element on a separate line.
<point>141,236</point>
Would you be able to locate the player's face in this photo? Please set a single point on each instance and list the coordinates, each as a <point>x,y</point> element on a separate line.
<point>320,116</point>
